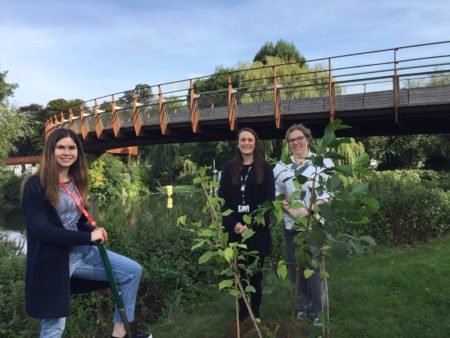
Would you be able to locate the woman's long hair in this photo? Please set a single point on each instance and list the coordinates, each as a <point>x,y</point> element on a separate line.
<point>48,170</point>
<point>257,156</point>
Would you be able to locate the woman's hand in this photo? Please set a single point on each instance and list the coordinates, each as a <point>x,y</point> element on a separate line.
<point>239,228</point>
<point>99,234</point>
<point>285,205</point>
<point>294,213</point>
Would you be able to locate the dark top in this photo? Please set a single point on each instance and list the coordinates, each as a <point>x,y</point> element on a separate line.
<point>254,195</point>
<point>47,283</point>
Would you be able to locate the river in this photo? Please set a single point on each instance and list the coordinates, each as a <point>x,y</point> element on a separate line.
<point>151,208</point>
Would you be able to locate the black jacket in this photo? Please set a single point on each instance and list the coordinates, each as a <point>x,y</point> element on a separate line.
<point>47,283</point>
<point>254,195</point>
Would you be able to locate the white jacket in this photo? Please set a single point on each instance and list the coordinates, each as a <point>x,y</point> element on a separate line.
<point>284,183</point>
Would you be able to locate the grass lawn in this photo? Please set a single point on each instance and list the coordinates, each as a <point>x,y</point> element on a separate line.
<point>401,292</point>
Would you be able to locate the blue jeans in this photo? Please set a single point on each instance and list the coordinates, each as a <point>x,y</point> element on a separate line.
<point>86,263</point>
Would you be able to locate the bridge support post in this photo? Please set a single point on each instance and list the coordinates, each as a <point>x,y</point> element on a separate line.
<point>193,106</point>
<point>276,99</point>
<point>136,118</point>
<point>162,113</point>
<point>84,126</point>
<point>98,124</point>
<point>115,118</point>
<point>62,119</point>
<point>231,106</point>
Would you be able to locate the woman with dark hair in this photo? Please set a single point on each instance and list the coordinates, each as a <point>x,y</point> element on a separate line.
<point>60,257</point>
<point>246,182</point>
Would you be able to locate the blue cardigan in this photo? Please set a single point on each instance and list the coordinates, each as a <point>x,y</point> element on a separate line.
<point>47,282</point>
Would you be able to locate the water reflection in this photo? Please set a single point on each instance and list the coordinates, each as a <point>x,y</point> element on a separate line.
<point>122,215</point>
<point>12,226</point>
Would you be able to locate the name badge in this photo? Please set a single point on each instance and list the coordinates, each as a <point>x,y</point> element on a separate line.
<point>243,208</point>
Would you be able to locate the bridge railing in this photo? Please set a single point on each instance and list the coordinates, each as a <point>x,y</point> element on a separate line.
<point>265,91</point>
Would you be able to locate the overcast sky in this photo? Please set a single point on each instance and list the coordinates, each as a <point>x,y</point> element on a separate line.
<point>85,49</point>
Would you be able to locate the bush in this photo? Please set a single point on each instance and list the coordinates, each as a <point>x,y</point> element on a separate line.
<point>163,249</point>
<point>13,320</point>
<point>412,207</point>
<point>110,178</point>
<point>9,188</point>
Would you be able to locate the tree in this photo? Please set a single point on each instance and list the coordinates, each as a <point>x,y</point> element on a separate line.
<point>213,89</point>
<point>409,151</point>
<point>33,139</point>
<point>12,124</point>
<point>143,93</point>
<point>282,49</point>
<point>6,89</point>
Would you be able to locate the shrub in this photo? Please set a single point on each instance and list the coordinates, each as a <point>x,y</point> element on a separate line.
<point>412,207</point>
<point>9,188</point>
<point>13,320</point>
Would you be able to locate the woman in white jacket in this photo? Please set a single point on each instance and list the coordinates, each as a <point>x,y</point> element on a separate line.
<point>298,138</point>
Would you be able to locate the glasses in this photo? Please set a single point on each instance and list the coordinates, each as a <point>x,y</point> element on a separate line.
<point>298,139</point>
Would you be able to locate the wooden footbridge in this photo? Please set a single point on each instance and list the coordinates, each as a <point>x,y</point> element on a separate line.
<point>404,90</point>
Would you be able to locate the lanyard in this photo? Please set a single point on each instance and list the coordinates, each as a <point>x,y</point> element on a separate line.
<point>79,205</point>
<point>244,183</point>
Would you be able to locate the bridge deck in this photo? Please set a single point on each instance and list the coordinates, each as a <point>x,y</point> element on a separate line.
<point>420,110</point>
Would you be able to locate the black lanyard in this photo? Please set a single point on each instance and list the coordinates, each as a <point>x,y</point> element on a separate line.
<point>244,183</point>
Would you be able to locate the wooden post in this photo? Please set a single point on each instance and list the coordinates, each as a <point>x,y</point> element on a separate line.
<point>98,123</point>
<point>115,118</point>
<point>84,126</point>
<point>136,118</point>
<point>194,108</point>
<point>276,99</point>
<point>231,111</point>
<point>62,119</point>
<point>162,113</point>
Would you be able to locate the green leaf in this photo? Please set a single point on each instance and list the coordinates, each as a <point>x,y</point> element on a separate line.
<point>226,283</point>
<point>235,293</point>
<point>358,249</point>
<point>248,233</point>
<point>249,289</point>
<point>228,254</point>
<point>367,239</point>
<point>362,160</point>
<point>335,125</point>
<point>197,180</point>
<point>282,270</point>
<point>227,212</point>
<point>198,245</point>
<point>247,219</point>
<point>371,203</point>
<point>360,188</point>
<point>308,273</point>
<point>181,220</point>
<point>206,232</point>
<point>205,257</point>
<point>345,169</point>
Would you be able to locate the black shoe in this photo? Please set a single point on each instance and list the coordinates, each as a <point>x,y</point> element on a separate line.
<point>136,334</point>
